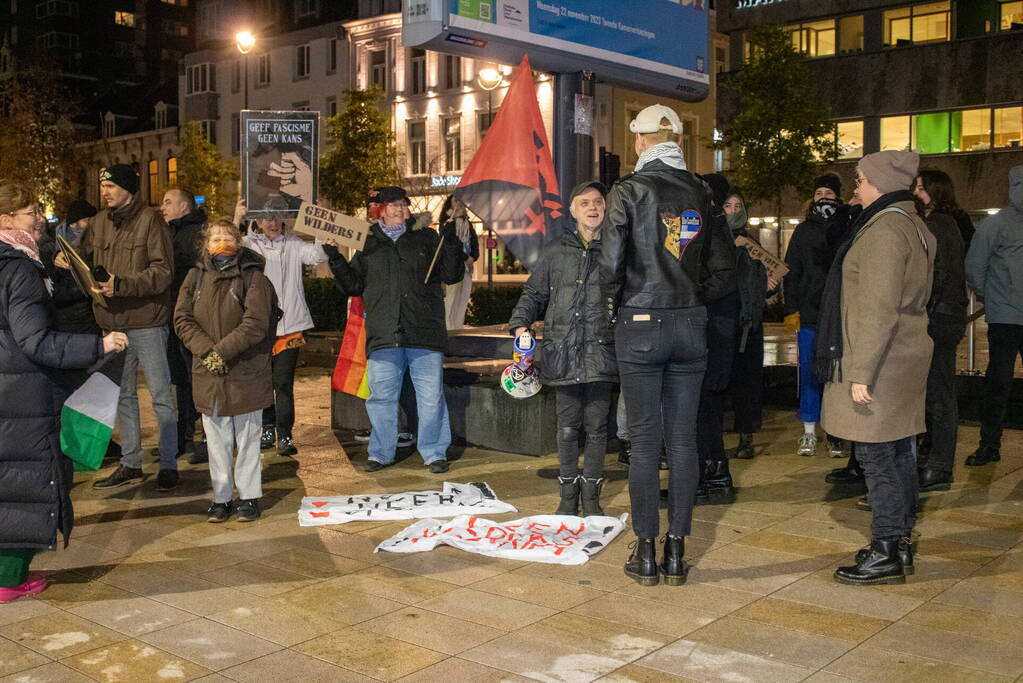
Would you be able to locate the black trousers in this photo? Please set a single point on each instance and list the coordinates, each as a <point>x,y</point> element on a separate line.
<point>582,408</point>
<point>721,349</point>
<point>282,413</point>
<point>179,360</point>
<point>892,485</point>
<point>942,400</point>
<point>1004,343</point>
<point>748,382</point>
<point>662,356</point>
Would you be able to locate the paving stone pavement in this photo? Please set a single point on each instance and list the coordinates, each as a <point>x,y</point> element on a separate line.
<point>148,591</point>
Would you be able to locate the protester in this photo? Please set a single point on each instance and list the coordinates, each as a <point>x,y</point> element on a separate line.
<point>223,317</point>
<point>400,282</point>
<point>35,477</point>
<point>285,255</point>
<point>946,314</point>
<point>576,354</point>
<point>809,260</point>
<point>873,354</point>
<point>72,308</point>
<point>994,271</point>
<point>186,222</point>
<point>456,298</point>
<point>651,262</point>
<point>132,244</point>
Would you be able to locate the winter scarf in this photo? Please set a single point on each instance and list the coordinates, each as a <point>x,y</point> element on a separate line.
<point>828,349</point>
<point>393,231</point>
<point>27,245</point>
<point>668,152</point>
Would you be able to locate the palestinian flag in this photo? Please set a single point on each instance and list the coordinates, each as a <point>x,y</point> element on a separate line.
<point>350,369</point>
<point>510,183</point>
<point>87,418</point>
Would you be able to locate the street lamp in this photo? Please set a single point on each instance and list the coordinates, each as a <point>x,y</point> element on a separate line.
<point>489,79</point>
<point>245,41</point>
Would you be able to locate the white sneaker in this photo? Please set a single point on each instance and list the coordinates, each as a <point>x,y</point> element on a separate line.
<point>405,439</point>
<point>807,444</point>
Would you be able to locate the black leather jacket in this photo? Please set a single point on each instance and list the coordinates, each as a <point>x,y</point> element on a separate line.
<point>639,265</point>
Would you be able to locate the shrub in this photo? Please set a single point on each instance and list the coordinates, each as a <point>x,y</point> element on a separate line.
<point>492,306</point>
<point>327,304</point>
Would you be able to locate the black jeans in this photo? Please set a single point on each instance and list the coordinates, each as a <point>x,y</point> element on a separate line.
<point>662,355</point>
<point>1004,343</point>
<point>582,408</point>
<point>748,382</point>
<point>892,486</point>
<point>282,413</point>
<point>722,344</point>
<point>942,400</point>
<point>179,360</point>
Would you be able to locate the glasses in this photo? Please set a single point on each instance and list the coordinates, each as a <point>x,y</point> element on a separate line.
<point>35,213</point>
<point>860,180</point>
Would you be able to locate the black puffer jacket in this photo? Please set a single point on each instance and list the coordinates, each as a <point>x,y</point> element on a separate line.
<point>809,256</point>
<point>35,477</point>
<point>186,237</point>
<point>564,290</point>
<point>638,267</point>
<point>401,311</point>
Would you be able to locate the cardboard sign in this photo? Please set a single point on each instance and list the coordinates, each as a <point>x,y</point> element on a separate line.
<point>553,539</point>
<point>81,272</point>
<point>776,268</point>
<point>454,499</point>
<point>325,224</point>
<point>280,151</point>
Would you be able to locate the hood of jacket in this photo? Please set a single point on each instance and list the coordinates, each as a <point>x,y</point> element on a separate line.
<point>196,217</point>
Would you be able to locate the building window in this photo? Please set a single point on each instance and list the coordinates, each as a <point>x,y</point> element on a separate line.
<point>816,39</point>
<point>378,69</point>
<point>331,107</point>
<point>850,139</point>
<point>109,125</point>
<point>417,147</point>
<point>236,133</point>
<point>300,106</point>
<point>263,71</point>
<point>161,115</point>
<point>452,72</point>
<point>453,143</point>
<point>209,130</point>
<point>178,29</point>
<point>200,78</point>
<point>895,133</point>
<point>926,23</point>
<point>971,130</point>
<point>302,61</point>
<point>484,120</point>
<point>154,181</point>
<point>1010,16</point>
<point>417,71</point>
<point>332,55</point>
<point>1009,127</point>
<point>55,39</point>
<point>850,34</point>
<point>720,59</point>
<point>56,8</point>
<point>172,171</point>
<point>305,9</point>
<point>931,133</point>
<point>176,3</point>
<point>124,19</point>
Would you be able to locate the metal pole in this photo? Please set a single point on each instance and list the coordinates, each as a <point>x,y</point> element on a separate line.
<point>245,66</point>
<point>971,338</point>
<point>490,202</point>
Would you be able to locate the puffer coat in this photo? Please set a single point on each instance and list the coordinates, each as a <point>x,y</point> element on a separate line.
<point>35,477</point>
<point>564,290</point>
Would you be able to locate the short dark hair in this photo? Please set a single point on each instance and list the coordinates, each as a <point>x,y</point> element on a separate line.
<point>942,192</point>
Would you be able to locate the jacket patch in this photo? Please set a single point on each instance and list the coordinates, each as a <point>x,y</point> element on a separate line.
<point>681,230</point>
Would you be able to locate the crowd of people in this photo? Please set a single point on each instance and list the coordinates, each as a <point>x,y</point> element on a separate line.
<point>650,286</point>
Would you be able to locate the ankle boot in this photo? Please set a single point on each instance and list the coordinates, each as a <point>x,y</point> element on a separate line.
<point>569,496</point>
<point>719,482</point>
<point>907,548</point>
<point>745,450</point>
<point>673,567</point>
<point>624,453</point>
<point>642,564</point>
<point>879,565</point>
<point>590,494</point>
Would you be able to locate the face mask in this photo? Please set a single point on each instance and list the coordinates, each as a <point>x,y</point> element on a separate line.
<point>224,249</point>
<point>736,221</point>
<point>825,208</point>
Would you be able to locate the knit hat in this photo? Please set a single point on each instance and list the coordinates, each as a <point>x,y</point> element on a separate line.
<point>582,187</point>
<point>78,210</point>
<point>122,175</point>
<point>391,194</point>
<point>719,187</point>
<point>890,170</point>
<point>830,181</point>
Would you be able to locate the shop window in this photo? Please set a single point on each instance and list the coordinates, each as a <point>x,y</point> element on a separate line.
<point>971,130</point>
<point>1009,127</point>
<point>453,143</point>
<point>850,139</point>
<point>926,23</point>
<point>417,147</point>
<point>1010,16</point>
<point>931,133</point>
<point>895,133</point>
<point>816,39</point>
<point>850,34</point>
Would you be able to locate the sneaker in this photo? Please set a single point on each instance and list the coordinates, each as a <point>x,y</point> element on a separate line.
<point>218,512</point>
<point>439,467</point>
<point>167,480</point>
<point>836,448</point>
<point>286,447</point>
<point>807,444</point>
<point>121,476</point>
<point>248,510</point>
<point>405,439</point>
<point>35,584</point>
<point>362,435</point>
<point>267,439</point>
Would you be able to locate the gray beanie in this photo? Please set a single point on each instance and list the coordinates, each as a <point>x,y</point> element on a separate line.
<point>891,170</point>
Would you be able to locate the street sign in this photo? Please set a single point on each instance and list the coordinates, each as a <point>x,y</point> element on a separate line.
<point>658,46</point>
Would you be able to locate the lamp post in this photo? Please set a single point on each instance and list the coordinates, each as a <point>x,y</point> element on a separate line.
<point>489,78</point>
<point>245,41</point>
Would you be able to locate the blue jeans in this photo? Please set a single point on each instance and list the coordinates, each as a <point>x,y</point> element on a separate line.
<point>147,346</point>
<point>809,387</point>
<point>386,368</point>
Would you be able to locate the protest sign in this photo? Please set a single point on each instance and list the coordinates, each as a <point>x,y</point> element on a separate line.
<point>775,266</point>
<point>554,539</point>
<point>279,160</point>
<point>454,499</point>
<point>324,224</point>
<point>81,272</point>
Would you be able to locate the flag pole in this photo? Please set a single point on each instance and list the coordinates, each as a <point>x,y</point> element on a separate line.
<point>436,253</point>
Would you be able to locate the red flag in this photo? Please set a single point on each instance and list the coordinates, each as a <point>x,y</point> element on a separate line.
<point>510,183</point>
<point>350,369</point>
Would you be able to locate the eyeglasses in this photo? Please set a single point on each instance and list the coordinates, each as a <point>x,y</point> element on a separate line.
<point>860,180</point>
<point>35,213</point>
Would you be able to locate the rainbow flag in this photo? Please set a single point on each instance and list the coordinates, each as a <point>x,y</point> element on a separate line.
<point>350,370</point>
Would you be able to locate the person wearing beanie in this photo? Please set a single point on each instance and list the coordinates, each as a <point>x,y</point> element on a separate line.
<point>132,243</point>
<point>809,259</point>
<point>873,354</point>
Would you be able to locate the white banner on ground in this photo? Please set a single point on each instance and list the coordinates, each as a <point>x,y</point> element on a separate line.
<point>454,499</point>
<point>554,539</point>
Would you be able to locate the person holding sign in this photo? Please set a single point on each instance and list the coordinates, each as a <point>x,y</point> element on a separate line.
<point>399,274</point>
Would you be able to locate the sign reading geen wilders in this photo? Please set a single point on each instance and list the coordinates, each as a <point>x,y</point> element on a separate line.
<point>279,158</point>
<point>324,224</point>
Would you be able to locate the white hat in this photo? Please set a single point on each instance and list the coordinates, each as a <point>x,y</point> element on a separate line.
<point>649,120</point>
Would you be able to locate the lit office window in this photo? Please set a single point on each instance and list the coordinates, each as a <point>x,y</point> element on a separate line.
<point>1009,127</point>
<point>816,39</point>
<point>931,133</point>
<point>971,130</point>
<point>850,139</point>
<point>1010,16</point>
<point>850,34</point>
<point>124,19</point>
<point>895,133</point>
<point>918,24</point>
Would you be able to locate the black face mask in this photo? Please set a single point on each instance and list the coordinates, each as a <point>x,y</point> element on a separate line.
<point>824,208</point>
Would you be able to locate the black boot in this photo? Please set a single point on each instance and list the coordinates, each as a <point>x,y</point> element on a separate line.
<point>624,453</point>
<point>745,450</point>
<point>268,439</point>
<point>569,496</point>
<point>286,447</point>
<point>850,474</point>
<point>718,479</point>
<point>983,456</point>
<point>907,549</point>
<point>642,564</point>
<point>673,567</point>
<point>934,480</point>
<point>879,565</point>
<point>590,494</point>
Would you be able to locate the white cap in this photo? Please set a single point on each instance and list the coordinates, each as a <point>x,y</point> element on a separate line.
<point>649,120</point>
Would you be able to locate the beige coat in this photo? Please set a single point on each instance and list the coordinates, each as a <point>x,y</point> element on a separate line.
<point>886,282</point>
